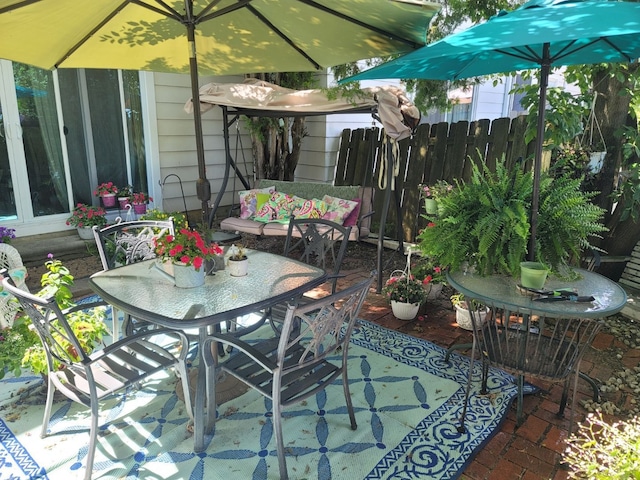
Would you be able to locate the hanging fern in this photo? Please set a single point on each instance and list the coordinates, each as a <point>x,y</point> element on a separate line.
<point>568,221</point>
<point>486,222</point>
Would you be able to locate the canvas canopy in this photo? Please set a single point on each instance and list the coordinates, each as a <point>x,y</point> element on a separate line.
<point>254,97</point>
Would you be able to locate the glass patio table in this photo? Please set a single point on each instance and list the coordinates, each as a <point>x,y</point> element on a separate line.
<point>144,291</point>
<point>501,291</point>
<point>552,335</point>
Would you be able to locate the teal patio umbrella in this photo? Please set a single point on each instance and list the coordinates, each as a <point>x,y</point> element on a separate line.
<point>539,34</point>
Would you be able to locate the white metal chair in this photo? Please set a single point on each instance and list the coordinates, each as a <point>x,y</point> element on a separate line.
<point>129,242</point>
<point>87,378</point>
<point>11,260</point>
<point>309,354</point>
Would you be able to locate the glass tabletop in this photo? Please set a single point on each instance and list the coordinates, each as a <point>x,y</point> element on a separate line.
<point>144,291</point>
<point>501,291</point>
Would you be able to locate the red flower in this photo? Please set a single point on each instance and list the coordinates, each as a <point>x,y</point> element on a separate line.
<point>186,246</point>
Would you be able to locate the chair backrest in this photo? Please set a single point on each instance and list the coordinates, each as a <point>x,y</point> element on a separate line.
<point>58,339</point>
<point>129,242</point>
<point>11,260</point>
<point>322,327</point>
<point>317,241</point>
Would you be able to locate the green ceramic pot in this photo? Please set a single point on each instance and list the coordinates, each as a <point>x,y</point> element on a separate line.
<point>533,274</point>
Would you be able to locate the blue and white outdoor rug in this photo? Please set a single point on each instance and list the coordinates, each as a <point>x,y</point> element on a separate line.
<point>407,402</point>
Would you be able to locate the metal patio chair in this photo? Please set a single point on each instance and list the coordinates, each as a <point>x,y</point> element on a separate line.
<point>129,242</point>
<point>87,378</point>
<point>531,345</point>
<point>310,353</point>
<point>315,242</point>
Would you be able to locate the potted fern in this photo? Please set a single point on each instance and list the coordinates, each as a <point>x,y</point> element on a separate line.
<point>484,224</point>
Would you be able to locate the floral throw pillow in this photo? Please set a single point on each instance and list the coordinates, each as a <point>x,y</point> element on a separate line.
<point>249,201</point>
<point>311,209</point>
<point>278,208</point>
<point>338,208</point>
<point>351,220</point>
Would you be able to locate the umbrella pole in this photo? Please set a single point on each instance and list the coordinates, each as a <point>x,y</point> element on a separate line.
<point>203,187</point>
<point>537,165</point>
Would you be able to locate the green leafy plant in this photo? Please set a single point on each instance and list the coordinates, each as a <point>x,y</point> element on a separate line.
<point>405,289</point>
<point>427,271</point>
<point>486,222</point>
<point>20,345</point>
<point>125,191</point>
<point>436,191</point>
<point>179,218</point>
<point>237,253</point>
<point>87,216</point>
<point>604,451</point>
<point>14,342</point>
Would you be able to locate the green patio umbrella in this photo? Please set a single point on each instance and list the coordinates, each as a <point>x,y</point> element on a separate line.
<point>539,34</point>
<point>229,36</point>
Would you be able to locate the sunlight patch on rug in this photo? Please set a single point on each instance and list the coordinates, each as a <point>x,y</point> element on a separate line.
<point>407,402</point>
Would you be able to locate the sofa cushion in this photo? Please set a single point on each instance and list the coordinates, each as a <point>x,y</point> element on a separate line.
<point>249,200</point>
<point>235,224</point>
<point>351,220</point>
<point>339,208</point>
<point>313,208</point>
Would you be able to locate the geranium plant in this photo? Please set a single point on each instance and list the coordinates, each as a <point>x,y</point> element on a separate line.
<point>187,247</point>
<point>125,192</point>
<point>440,189</point>
<point>7,234</point>
<point>87,216</point>
<point>427,271</point>
<point>405,289</point>
<point>140,198</point>
<point>105,188</point>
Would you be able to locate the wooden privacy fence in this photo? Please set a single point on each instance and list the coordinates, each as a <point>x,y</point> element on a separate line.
<point>440,151</point>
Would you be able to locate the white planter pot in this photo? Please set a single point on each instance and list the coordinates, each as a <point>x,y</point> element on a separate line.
<point>463,318</point>
<point>404,311</point>
<point>433,290</point>
<point>85,233</point>
<point>238,268</point>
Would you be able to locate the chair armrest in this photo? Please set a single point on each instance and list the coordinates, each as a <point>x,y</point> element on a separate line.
<point>85,306</point>
<point>242,347</point>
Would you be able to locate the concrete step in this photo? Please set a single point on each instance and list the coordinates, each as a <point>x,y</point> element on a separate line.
<point>63,245</point>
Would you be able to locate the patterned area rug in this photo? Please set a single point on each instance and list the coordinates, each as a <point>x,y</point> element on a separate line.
<point>407,401</point>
